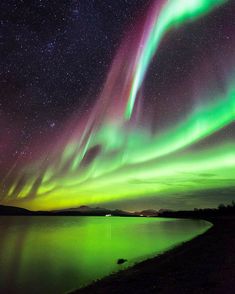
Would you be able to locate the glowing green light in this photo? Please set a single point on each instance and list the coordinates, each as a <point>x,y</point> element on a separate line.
<point>173,14</point>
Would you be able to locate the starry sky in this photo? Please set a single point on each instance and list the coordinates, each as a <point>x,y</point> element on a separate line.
<point>69,132</point>
<point>54,60</point>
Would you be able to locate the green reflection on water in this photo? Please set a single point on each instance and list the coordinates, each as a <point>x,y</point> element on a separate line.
<point>57,254</point>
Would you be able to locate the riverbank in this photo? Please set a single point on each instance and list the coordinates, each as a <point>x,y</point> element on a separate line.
<point>205,264</point>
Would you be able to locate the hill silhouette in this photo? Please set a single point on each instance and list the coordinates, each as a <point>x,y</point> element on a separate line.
<point>83,210</point>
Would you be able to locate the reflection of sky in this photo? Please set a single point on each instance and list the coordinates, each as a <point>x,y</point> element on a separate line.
<point>65,253</point>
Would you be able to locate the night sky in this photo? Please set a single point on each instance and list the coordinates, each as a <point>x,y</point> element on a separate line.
<point>54,59</point>
<point>69,132</point>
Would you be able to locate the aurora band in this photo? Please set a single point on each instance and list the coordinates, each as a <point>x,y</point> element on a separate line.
<point>163,17</point>
<point>108,162</point>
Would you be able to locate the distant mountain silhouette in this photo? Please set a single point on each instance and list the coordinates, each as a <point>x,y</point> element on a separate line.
<point>11,210</point>
<point>79,211</point>
<point>86,210</point>
<point>100,211</point>
<point>147,212</point>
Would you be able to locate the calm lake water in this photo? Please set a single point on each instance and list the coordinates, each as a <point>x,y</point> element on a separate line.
<point>59,254</point>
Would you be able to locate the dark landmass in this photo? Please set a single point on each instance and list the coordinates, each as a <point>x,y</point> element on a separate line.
<point>11,210</point>
<point>203,213</point>
<point>205,264</point>
<point>99,211</point>
<point>146,212</point>
<point>90,211</point>
<point>79,211</point>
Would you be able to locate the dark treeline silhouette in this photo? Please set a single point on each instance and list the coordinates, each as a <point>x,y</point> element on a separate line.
<point>221,210</point>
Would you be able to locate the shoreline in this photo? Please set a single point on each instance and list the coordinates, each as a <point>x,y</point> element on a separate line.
<point>205,264</point>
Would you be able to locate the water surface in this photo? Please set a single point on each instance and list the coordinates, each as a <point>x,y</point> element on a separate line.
<point>59,254</point>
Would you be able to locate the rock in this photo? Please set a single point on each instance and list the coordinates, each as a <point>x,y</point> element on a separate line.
<point>121,260</point>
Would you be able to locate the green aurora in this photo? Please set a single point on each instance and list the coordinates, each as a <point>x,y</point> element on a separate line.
<point>174,13</point>
<point>116,162</point>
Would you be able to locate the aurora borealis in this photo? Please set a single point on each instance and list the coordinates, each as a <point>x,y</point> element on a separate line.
<point>126,149</point>
<point>167,14</point>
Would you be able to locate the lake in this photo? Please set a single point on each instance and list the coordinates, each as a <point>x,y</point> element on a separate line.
<point>59,254</point>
